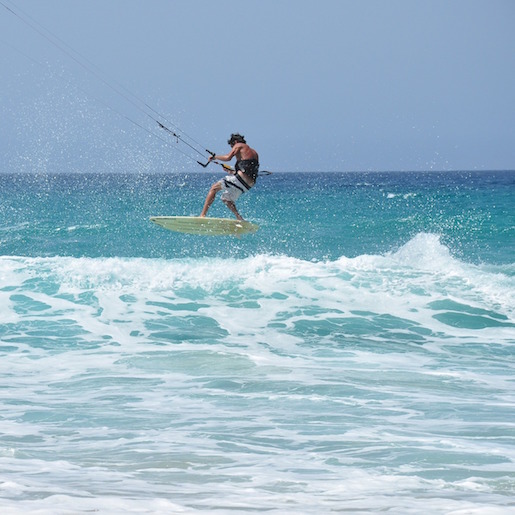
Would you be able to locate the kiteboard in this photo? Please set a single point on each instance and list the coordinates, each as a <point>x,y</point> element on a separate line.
<point>204,226</point>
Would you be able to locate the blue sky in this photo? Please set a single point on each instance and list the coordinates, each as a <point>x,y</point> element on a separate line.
<point>328,85</point>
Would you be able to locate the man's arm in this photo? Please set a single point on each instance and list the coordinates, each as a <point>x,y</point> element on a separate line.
<point>227,157</point>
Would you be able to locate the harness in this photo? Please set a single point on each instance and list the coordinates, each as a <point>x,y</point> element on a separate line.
<point>249,167</point>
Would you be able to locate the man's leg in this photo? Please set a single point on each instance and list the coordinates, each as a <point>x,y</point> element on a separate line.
<point>232,206</point>
<point>210,198</point>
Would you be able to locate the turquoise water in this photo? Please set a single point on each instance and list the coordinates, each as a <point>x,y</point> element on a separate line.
<point>321,216</point>
<point>356,354</point>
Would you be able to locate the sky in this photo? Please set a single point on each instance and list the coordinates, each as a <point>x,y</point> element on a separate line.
<point>331,85</point>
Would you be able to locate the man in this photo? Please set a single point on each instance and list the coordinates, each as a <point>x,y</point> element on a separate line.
<point>240,180</point>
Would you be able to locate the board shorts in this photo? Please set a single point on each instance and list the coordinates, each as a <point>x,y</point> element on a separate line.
<point>232,187</point>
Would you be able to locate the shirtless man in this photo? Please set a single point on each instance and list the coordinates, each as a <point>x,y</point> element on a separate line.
<point>240,180</point>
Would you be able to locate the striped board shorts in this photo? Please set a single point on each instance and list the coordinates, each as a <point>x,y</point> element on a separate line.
<point>232,187</point>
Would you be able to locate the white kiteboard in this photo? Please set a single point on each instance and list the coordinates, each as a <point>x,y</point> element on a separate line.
<point>205,226</point>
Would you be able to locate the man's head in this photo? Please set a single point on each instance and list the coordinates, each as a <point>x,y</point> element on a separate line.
<point>236,138</point>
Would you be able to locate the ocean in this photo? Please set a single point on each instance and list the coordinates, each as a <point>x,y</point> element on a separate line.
<point>355,355</point>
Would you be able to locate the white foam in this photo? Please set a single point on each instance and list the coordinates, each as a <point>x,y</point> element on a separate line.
<point>266,383</point>
<point>402,284</point>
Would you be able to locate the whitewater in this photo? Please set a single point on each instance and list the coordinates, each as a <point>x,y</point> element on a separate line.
<point>355,355</point>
